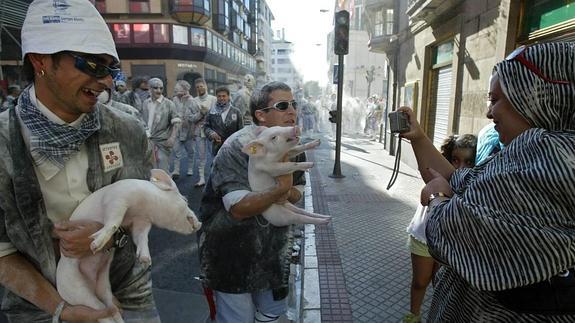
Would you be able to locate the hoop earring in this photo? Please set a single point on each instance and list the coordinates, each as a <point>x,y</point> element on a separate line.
<point>42,73</point>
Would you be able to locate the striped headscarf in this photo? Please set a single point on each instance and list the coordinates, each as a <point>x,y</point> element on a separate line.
<point>511,222</point>
<point>544,104</point>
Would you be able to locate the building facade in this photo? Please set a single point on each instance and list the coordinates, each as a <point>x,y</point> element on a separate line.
<point>184,39</point>
<point>264,43</point>
<point>365,71</point>
<point>282,67</point>
<point>442,52</point>
<point>176,39</point>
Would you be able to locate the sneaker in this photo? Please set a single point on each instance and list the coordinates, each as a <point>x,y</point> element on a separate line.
<point>411,318</point>
<point>201,182</point>
<point>175,175</point>
<point>190,173</point>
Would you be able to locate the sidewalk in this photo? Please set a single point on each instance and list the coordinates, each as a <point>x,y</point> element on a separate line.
<point>363,264</point>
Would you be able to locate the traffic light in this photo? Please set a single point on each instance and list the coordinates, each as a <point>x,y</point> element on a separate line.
<point>341,33</point>
<point>333,116</point>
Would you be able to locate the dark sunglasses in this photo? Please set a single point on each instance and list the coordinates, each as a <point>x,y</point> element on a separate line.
<point>94,69</point>
<point>283,105</point>
<point>518,55</point>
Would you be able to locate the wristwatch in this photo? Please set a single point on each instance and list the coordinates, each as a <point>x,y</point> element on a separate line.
<point>120,239</point>
<point>433,196</point>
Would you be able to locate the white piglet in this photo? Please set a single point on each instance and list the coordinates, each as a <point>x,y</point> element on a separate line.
<point>266,154</point>
<point>132,203</point>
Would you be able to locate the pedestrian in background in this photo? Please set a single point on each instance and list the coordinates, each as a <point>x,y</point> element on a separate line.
<point>10,102</point>
<point>223,120</point>
<point>504,229</point>
<point>190,112</point>
<point>53,149</point>
<point>134,97</point>
<point>459,152</point>
<point>244,259</point>
<point>162,122</point>
<point>206,102</point>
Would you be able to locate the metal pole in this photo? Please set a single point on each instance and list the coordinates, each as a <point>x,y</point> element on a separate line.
<point>337,164</point>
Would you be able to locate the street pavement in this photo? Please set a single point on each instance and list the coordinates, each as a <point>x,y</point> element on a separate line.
<point>362,256</point>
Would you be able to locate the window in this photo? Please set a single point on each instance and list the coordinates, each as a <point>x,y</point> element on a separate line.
<point>378,25</point>
<point>121,33</point>
<point>141,33</point>
<point>139,6</point>
<point>206,5</point>
<point>209,39</point>
<point>282,51</point>
<point>227,13</point>
<point>216,44</point>
<point>283,61</point>
<point>236,11</point>
<point>221,46</point>
<point>198,37</point>
<point>180,34</point>
<point>161,33</point>
<point>357,25</point>
<point>100,6</point>
<point>389,22</point>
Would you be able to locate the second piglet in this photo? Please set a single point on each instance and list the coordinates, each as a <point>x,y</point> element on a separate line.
<point>266,153</point>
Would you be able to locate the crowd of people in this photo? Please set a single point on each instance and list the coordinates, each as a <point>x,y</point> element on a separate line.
<point>494,231</point>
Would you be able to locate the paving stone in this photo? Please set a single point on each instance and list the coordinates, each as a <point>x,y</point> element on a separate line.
<point>364,264</point>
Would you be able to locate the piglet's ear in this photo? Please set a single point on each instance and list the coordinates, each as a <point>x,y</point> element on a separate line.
<point>254,148</point>
<point>162,180</point>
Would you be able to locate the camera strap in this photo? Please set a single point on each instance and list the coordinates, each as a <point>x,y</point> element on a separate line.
<point>396,164</point>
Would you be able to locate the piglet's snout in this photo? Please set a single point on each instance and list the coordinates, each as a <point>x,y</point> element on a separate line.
<point>196,225</point>
<point>296,132</point>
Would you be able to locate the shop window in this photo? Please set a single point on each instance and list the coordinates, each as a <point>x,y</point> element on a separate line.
<point>161,33</point>
<point>121,33</point>
<point>180,34</point>
<point>139,6</point>
<point>141,33</point>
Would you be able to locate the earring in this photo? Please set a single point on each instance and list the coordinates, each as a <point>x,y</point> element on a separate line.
<point>42,73</point>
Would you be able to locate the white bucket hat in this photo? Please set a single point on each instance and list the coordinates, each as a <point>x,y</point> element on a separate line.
<point>53,26</point>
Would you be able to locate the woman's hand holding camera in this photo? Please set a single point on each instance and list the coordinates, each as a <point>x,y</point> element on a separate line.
<point>415,132</point>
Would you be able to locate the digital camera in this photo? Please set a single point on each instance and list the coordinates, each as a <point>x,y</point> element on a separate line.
<point>398,122</point>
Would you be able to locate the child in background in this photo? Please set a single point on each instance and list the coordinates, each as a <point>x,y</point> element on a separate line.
<point>460,152</point>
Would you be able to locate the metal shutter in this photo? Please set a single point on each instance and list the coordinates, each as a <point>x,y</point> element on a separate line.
<point>442,89</point>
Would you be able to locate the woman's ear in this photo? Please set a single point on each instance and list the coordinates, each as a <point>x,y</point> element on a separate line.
<point>261,116</point>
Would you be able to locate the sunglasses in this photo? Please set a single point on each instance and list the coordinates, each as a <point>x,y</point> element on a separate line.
<point>518,55</point>
<point>283,105</point>
<point>94,69</point>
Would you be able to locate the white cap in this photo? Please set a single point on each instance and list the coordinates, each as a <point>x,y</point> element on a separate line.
<point>53,26</point>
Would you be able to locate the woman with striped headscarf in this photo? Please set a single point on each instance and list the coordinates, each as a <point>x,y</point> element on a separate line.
<point>507,226</point>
